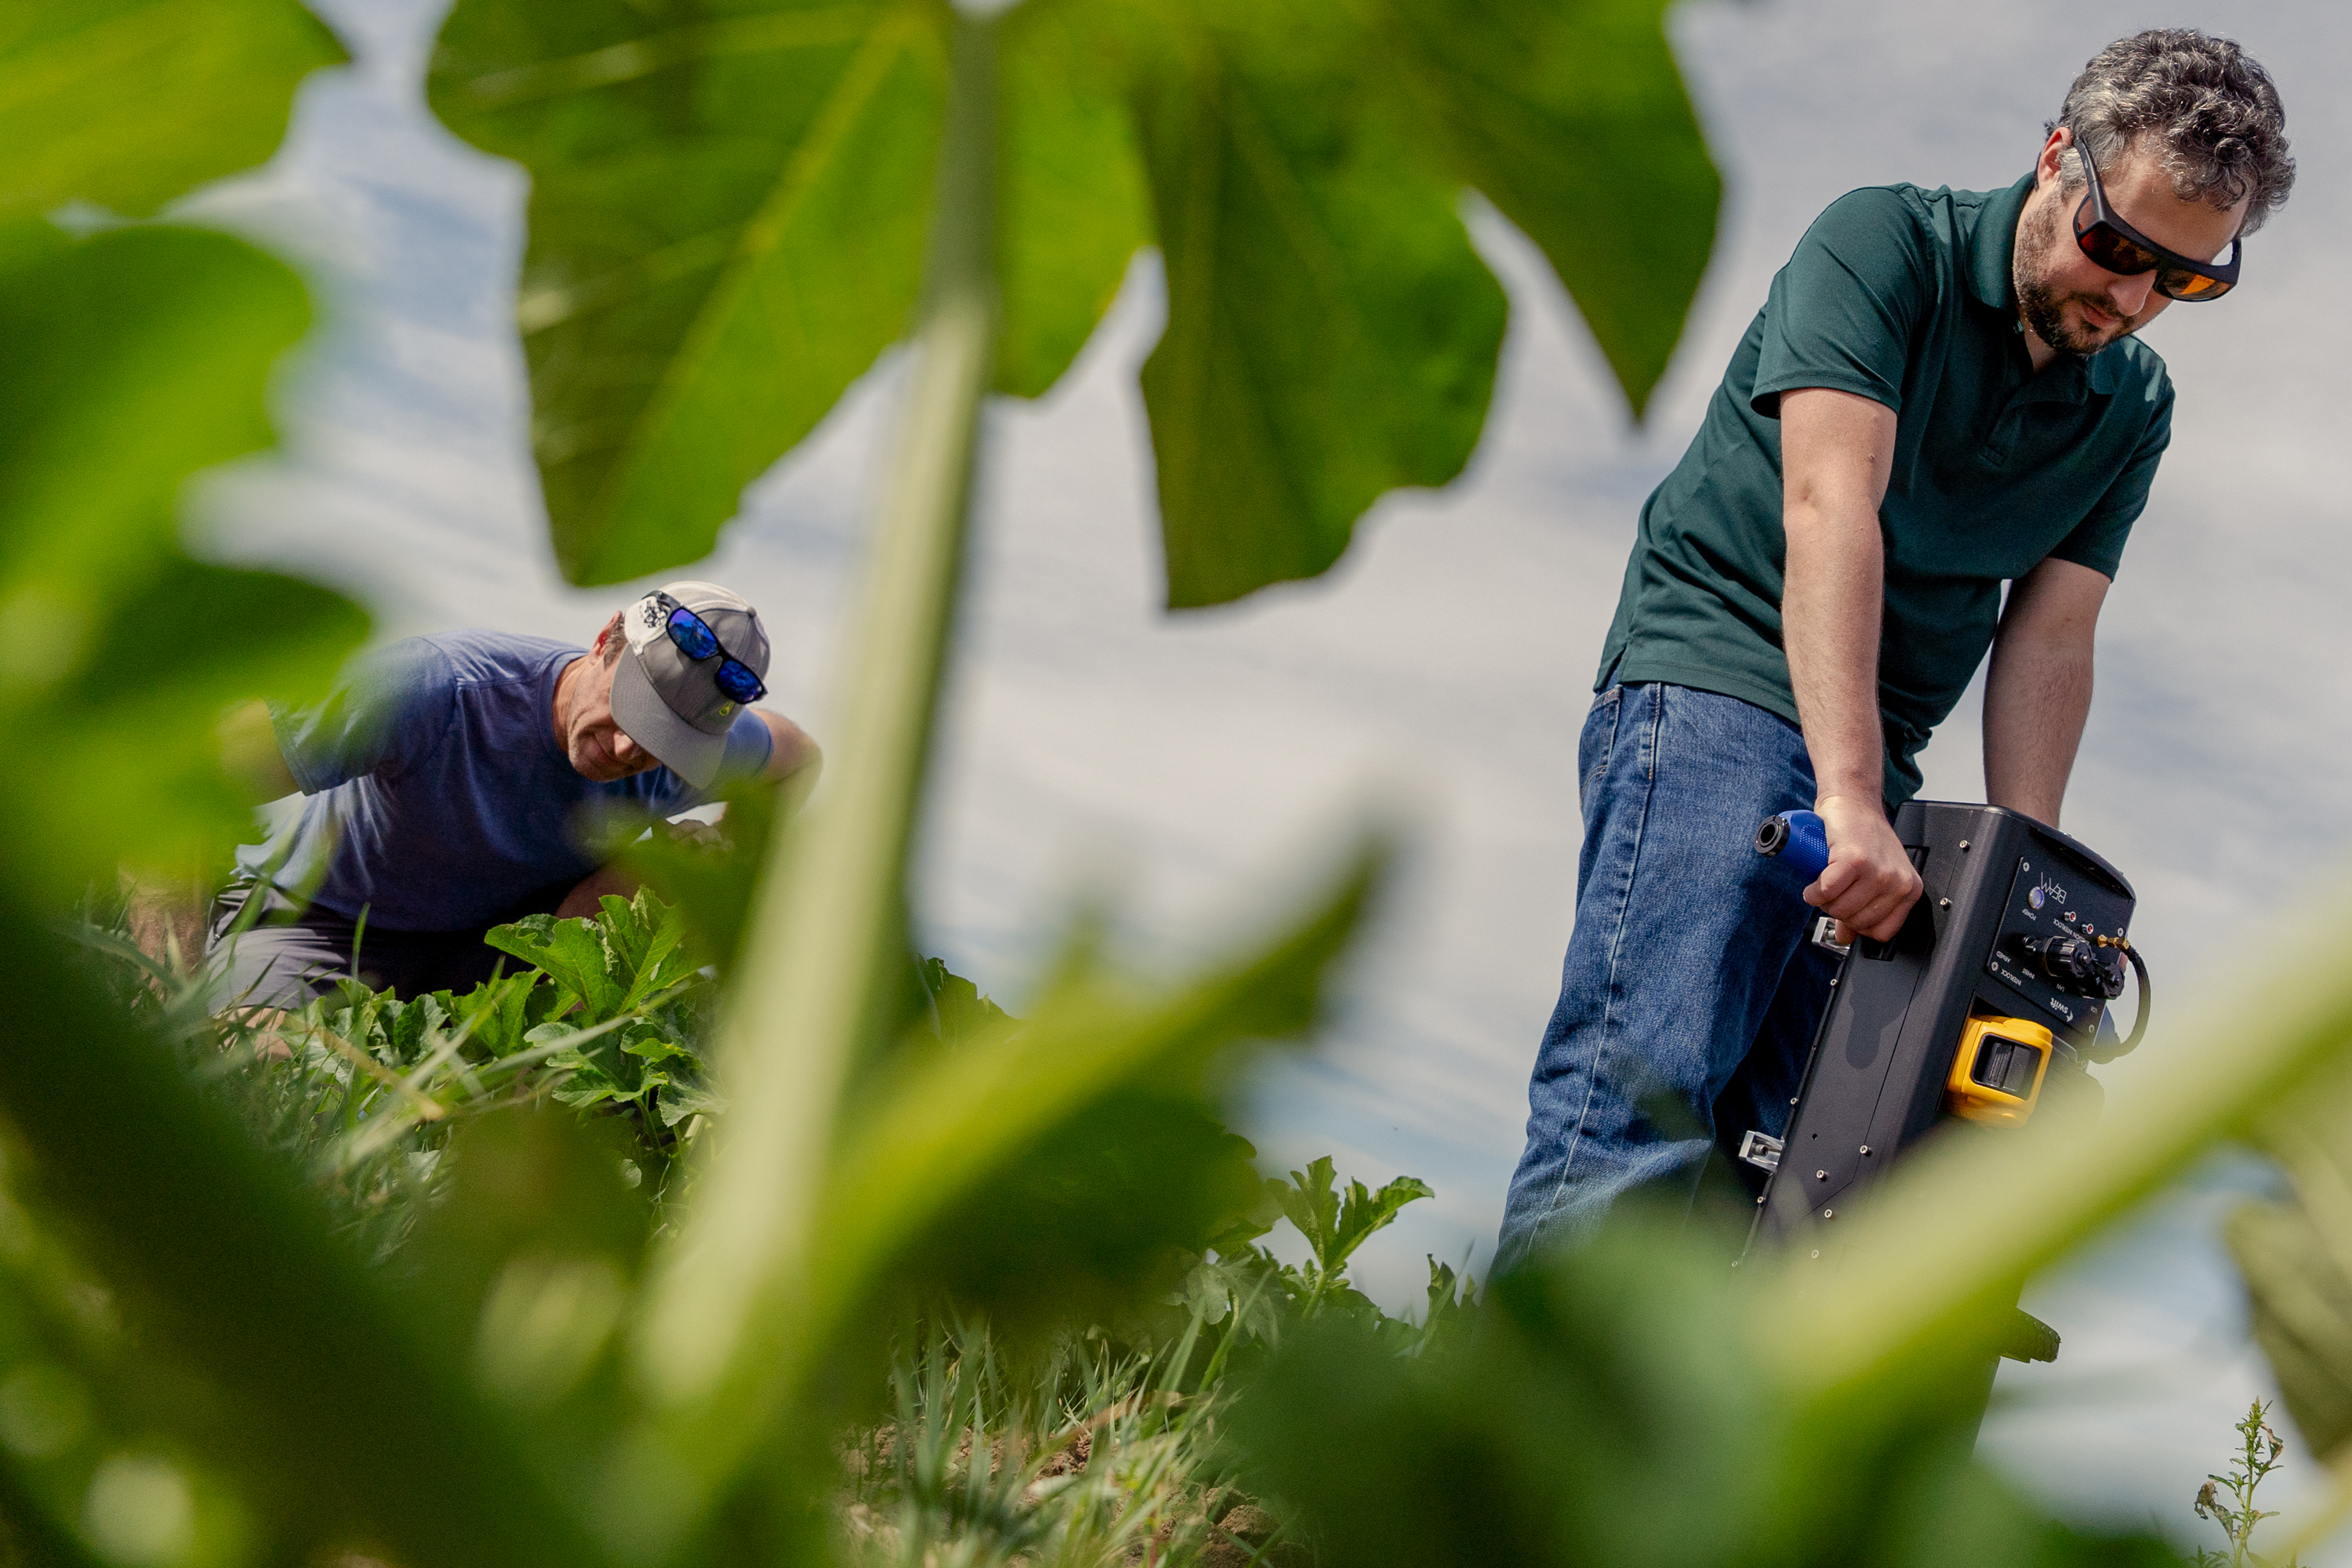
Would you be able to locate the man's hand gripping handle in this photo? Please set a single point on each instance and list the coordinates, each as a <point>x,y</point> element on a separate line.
<point>1860,874</point>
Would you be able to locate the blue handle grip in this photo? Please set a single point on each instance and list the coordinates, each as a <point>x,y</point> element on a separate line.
<point>1797,837</point>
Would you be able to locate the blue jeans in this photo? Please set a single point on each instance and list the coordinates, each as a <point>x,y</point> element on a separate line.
<point>1690,997</point>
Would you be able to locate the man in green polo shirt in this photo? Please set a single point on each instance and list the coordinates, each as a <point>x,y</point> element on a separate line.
<point>1943,395</point>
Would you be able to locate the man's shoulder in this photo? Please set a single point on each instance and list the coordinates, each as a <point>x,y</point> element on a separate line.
<point>476,657</point>
<point>1895,206</point>
<point>1878,230</point>
<point>1938,213</point>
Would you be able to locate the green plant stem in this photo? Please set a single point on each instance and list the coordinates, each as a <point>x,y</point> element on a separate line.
<point>721,1345</point>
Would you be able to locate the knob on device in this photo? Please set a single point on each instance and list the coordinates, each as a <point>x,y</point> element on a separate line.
<point>2074,965</point>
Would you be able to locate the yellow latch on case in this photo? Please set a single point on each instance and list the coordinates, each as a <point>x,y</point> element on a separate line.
<point>1997,1073</point>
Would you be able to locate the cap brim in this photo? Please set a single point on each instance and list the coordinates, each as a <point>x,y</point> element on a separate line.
<point>646,719</point>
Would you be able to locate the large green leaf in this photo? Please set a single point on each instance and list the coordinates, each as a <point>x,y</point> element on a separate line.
<point>726,215</point>
<point>1332,334</point>
<point>128,361</point>
<point>727,221</point>
<point>1073,209</point>
<point>1572,119</point>
<point>127,103</point>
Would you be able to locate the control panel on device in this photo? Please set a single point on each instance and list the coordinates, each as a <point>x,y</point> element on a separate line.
<point>2048,950</point>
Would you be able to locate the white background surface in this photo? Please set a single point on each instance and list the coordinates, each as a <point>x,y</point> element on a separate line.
<point>1447,661</point>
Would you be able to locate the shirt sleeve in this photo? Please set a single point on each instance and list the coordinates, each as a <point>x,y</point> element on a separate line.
<point>381,709</point>
<point>1842,312</point>
<point>2097,541</point>
<point>750,744</point>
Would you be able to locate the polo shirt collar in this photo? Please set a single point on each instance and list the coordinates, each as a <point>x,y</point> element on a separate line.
<point>1992,278</point>
<point>1992,244</point>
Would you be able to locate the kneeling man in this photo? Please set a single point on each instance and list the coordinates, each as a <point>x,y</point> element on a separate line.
<point>460,781</point>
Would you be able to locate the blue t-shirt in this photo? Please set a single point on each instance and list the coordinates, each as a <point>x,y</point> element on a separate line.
<point>438,795</point>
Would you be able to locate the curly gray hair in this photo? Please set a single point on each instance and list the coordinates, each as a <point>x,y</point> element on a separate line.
<point>2209,109</point>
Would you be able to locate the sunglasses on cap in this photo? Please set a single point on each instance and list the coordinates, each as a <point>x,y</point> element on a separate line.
<point>2122,249</point>
<point>694,639</point>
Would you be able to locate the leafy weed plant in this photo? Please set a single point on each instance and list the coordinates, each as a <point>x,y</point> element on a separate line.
<point>2229,1500</point>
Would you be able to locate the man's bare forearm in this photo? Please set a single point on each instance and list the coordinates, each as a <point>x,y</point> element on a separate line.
<point>1836,451</point>
<point>2038,688</point>
<point>1830,625</point>
<point>250,753</point>
<point>2036,701</point>
<point>584,901</point>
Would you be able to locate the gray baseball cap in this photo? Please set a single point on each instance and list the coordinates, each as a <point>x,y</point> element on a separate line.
<point>671,704</point>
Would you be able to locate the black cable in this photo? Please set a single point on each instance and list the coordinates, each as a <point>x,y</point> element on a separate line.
<point>2139,968</point>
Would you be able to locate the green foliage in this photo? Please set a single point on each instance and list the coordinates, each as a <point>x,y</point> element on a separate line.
<point>345,1407</point>
<point>1335,1226</point>
<point>126,103</point>
<point>728,219</point>
<point>1092,1447</point>
<point>607,1014</point>
<point>619,961</point>
<point>1244,1299</point>
<point>1261,1292</point>
<point>2297,1263</point>
<point>1574,121</point>
<point>1087,1455</point>
<point>542,1356</point>
<point>1331,335</point>
<point>625,967</point>
<point>1051,1169</point>
<point>1606,1411</point>
<point>710,875</point>
<point>129,360</point>
<point>607,1017</point>
<point>78,1395</point>
<point>2259,1448</point>
<point>725,228</point>
<point>526,1266</point>
<point>1074,205</point>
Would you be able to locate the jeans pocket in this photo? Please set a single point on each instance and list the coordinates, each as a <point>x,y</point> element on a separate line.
<point>1599,741</point>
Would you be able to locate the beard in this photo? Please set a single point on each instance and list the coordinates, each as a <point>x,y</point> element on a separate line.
<point>2039,301</point>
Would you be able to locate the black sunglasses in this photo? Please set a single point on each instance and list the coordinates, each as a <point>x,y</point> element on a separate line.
<point>2122,249</point>
<point>694,639</point>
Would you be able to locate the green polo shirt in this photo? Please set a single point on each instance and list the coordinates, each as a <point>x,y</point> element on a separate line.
<point>1903,296</point>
